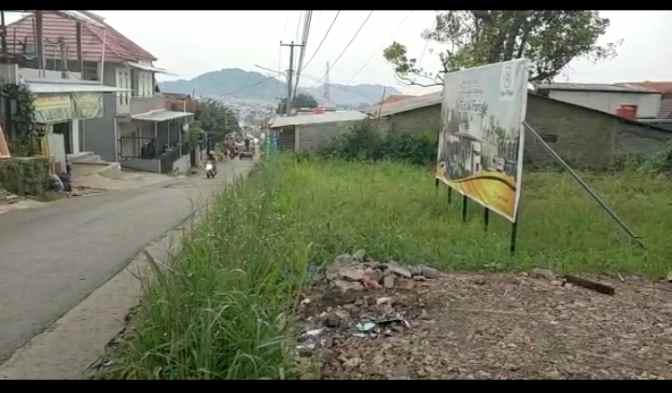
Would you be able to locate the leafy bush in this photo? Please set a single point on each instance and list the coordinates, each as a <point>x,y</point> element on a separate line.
<point>367,143</point>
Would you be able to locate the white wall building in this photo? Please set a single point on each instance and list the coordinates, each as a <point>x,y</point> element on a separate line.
<point>605,98</point>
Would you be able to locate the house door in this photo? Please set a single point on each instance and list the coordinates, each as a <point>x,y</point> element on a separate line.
<point>64,129</point>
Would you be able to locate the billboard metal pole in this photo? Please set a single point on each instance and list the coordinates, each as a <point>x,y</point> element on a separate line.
<point>486,218</point>
<point>465,201</point>
<point>585,186</point>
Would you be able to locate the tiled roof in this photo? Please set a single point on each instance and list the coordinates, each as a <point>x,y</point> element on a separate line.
<point>407,104</point>
<point>63,24</point>
<point>594,87</point>
<point>661,87</point>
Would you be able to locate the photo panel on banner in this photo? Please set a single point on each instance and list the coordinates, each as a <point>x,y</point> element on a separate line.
<point>481,142</point>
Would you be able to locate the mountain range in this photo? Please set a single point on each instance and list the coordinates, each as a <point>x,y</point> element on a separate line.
<point>235,83</point>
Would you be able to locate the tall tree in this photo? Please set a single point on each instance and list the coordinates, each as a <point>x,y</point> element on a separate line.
<point>300,101</point>
<point>549,39</point>
<point>214,117</point>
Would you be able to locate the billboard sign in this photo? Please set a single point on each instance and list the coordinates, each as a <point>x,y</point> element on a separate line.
<point>480,150</point>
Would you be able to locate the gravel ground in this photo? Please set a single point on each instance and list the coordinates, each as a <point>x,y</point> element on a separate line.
<point>486,326</point>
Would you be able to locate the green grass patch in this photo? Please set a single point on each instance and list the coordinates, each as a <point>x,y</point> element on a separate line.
<point>225,311</point>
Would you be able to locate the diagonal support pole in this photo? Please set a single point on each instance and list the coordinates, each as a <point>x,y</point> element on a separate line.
<point>585,186</point>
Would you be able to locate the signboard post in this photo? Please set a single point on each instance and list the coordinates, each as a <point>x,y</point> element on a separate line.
<point>480,152</point>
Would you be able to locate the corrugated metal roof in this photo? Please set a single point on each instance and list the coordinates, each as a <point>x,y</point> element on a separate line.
<point>146,67</point>
<point>603,87</point>
<point>408,104</point>
<point>55,88</point>
<point>63,24</point>
<point>160,115</point>
<point>326,117</point>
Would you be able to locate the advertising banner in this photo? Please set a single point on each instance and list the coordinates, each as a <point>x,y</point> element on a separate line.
<point>87,106</point>
<point>480,151</point>
<point>52,108</point>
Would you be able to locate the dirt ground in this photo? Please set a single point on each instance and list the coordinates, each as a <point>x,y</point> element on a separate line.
<point>486,326</point>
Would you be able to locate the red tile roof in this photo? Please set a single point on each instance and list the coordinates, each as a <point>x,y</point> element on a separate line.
<point>57,25</point>
<point>661,87</point>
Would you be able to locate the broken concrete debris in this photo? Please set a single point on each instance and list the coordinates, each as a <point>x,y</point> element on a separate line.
<point>543,273</point>
<point>348,273</point>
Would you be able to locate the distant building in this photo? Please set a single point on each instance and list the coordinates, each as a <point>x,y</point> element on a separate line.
<point>644,103</point>
<point>664,117</point>
<point>311,132</point>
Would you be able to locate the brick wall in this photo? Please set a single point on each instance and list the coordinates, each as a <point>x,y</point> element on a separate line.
<point>583,137</point>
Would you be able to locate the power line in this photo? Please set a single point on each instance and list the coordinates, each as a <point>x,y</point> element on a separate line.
<point>374,53</point>
<point>321,42</point>
<point>333,63</point>
<point>422,56</point>
<point>298,25</point>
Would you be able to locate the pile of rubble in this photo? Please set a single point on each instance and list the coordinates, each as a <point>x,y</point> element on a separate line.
<point>360,298</point>
<point>8,197</point>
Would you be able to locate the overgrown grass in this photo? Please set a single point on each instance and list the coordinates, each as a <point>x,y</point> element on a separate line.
<point>224,312</point>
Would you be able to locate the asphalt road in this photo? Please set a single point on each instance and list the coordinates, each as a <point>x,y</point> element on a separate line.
<point>53,257</point>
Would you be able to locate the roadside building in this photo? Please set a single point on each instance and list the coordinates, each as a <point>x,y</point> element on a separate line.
<point>586,137</point>
<point>311,132</point>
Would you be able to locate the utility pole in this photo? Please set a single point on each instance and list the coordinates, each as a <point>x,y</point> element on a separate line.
<point>289,75</point>
<point>326,85</point>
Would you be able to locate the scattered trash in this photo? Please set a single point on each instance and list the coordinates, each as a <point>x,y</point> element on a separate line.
<point>384,300</point>
<point>394,320</point>
<point>305,301</point>
<point>313,333</point>
<point>365,326</point>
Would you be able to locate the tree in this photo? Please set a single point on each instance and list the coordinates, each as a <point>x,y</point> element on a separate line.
<point>300,101</point>
<point>214,117</point>
<point>549,39</point>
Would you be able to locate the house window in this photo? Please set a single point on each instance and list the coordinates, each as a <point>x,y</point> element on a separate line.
<point>90,71</point>
<point>550,138</point>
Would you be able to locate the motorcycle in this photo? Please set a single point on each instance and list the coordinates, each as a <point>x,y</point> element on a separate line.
<point>210,170</point>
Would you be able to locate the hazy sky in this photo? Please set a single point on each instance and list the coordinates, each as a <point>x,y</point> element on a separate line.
<point>189,43</point>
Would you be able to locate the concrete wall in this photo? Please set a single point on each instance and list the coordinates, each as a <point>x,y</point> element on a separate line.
<point>99,133</point>
<point>411,122</point>
<point>142,165</point>
<point>182,165</point>
<point>647,104</point>
<point>313,137</point>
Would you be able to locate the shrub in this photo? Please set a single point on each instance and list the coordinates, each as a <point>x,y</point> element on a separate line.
<point>369,144</point>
